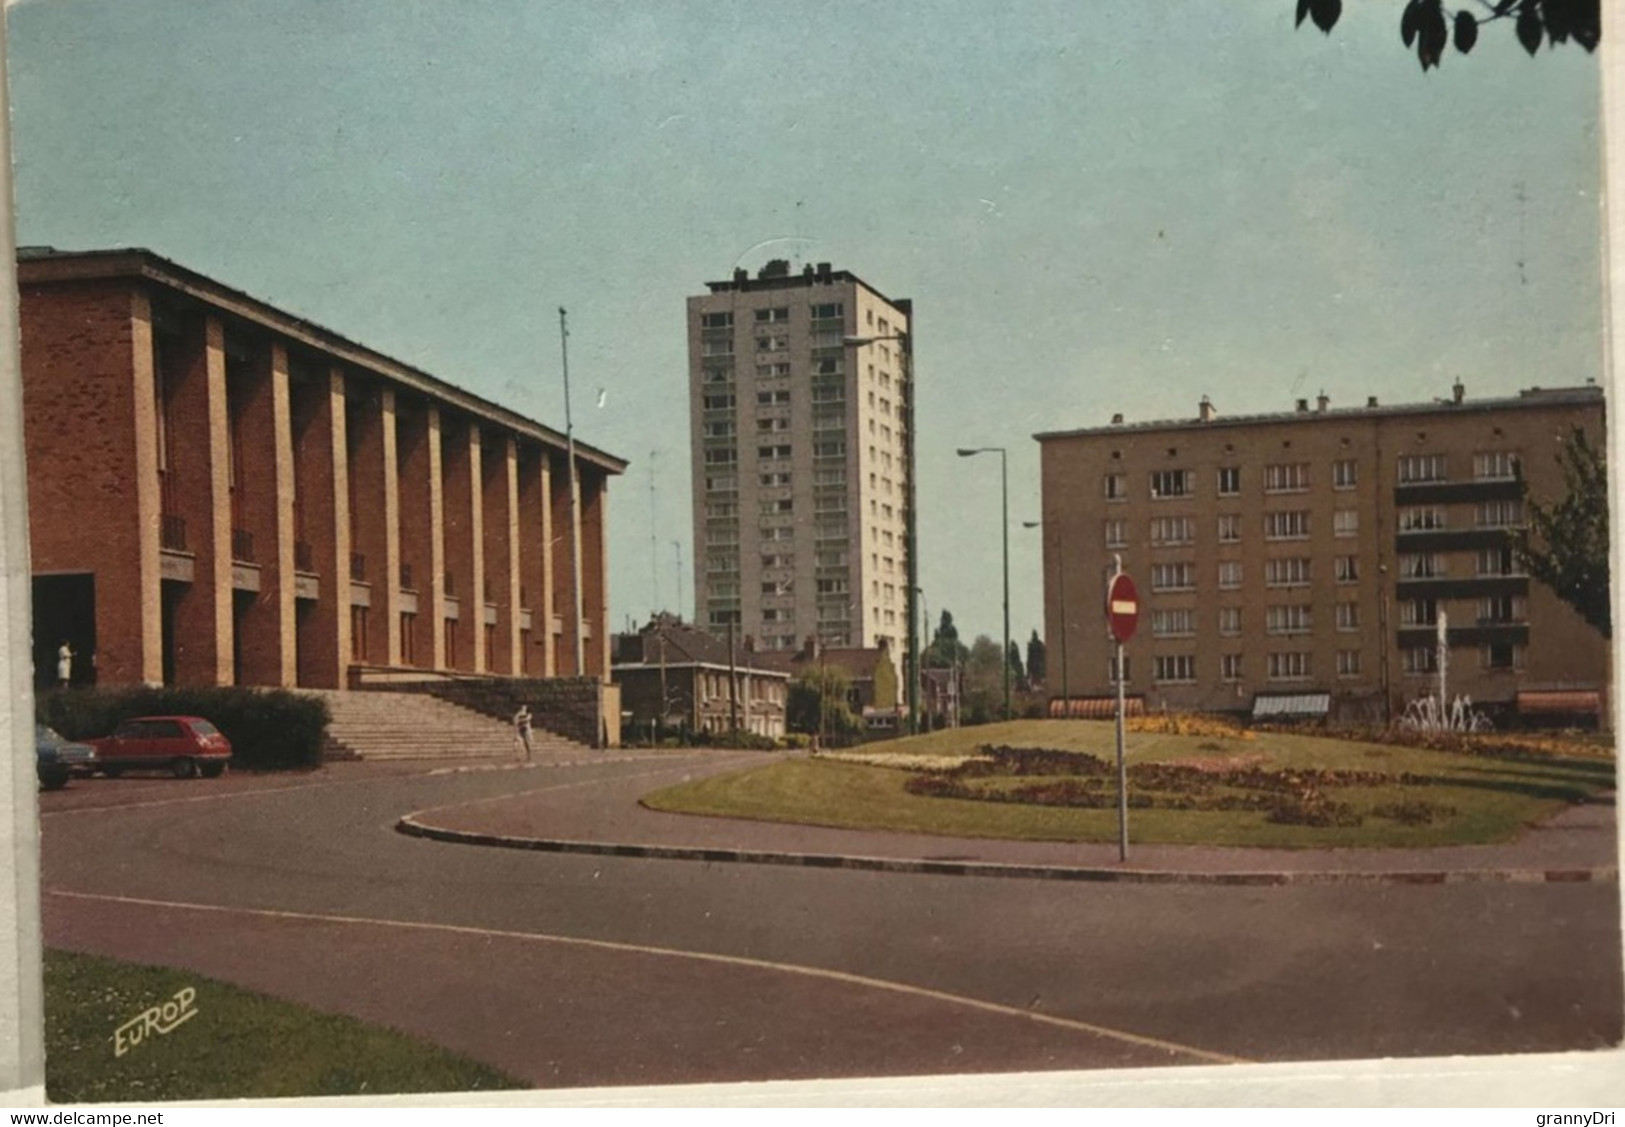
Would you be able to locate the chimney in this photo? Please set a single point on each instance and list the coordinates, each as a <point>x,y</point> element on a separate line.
<point>1322,401</point>
<point>1371,401</point>
<point>1204,410</point>
<point>823,271</point>
<point>1458,392</point>
<point>1303,406</point>
<point>741,276</point>
<point>1117,419</point>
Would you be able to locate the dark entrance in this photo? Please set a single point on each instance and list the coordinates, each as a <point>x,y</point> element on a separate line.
<point>64,611</point>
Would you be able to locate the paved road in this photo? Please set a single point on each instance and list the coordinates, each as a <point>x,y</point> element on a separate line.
<point>584,970</point>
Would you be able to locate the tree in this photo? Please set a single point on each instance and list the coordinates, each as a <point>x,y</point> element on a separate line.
<point>946,650</point>
<point>1429,27</point>
<point>1037,660</point>
<point>984,682</point>
<point>1018,676</point>
<point>1565,543</point>
<point>818,704</point>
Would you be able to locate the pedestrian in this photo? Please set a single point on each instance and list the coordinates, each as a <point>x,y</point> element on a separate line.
<point>64,664</point>
<point>521,730</point>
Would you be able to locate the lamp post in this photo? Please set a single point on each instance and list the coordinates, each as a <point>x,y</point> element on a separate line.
<point>575,499</point>
<point>911,565</point>
<point>1004,530</point>
<point>1060,591</point>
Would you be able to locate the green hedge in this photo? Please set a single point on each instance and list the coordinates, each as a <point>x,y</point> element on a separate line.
<point>269,729</point>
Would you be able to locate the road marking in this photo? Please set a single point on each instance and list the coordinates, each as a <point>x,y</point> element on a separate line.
<point>696,956</point>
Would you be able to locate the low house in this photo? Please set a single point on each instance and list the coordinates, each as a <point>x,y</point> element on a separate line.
<point>675,677</point>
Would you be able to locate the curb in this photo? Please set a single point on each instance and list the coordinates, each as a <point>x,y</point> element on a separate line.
<point>413,828</point>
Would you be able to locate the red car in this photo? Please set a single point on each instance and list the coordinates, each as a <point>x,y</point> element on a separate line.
<point>186,746</point>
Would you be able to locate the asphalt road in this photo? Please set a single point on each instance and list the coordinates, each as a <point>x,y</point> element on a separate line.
<point>585,971</point>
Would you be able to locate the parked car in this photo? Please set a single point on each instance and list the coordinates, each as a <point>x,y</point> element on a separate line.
<point>59,759</point>
<point>186,746</point>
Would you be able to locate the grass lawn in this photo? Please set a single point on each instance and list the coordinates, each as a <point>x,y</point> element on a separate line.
<point>240,1044</point>
<point>1475,798</point>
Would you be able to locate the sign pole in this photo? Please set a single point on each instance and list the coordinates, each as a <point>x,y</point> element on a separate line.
<point>1122,768</point>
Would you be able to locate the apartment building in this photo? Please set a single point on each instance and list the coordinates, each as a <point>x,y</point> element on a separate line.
<point>221,492</point>
<point>801,400</point>
<point>1301,562</point>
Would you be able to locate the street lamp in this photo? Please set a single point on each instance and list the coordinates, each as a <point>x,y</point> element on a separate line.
<point>911,566</point>
<point>1004,529</point>
<point>1060,585</point>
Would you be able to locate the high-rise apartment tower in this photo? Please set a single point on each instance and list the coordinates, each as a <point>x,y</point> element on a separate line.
<point>801,407</point>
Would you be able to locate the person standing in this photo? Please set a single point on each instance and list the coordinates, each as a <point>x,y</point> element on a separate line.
<point>64,664</point>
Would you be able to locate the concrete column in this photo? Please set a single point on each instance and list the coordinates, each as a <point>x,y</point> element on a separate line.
<point>283,582</point>
<point>392,526</point>
<point>501,546</point>
<point>421,546</point>
<point>460,453</point>
<point>475,609</point>
<point>595,572</point>
<point>336,427</point>
<point>542,601</point>
<point>148,502</point>
<point>437,540</point>
<point>562,545</point>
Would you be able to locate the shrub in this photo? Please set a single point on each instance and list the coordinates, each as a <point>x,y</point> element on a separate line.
<point>269,729</point>
<point>1412,813</point>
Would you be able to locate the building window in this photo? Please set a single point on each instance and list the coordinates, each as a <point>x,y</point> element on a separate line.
<point>409,647</point>
<point>1229,481</point>
<point>711,374</point>
<point>449,640</point>
<point>1346,522</point>
<point>1179,623</point>
<point>774,508</point>
<point>1229,621</point>
<point>772,316</point>
<point>1290,619</point>
<point>1111,669</point>
<point>835,448</point>
<point>716,320</point>
<point>784,533</point>
<point>1116,487</point>
<point>1500,514</point>
<point>1170,483</point>
<point>1229,575</point>
<point>1229,528</point>
<point>722,510</point>
<point>720,347</point>
<point>827,311</point>
<point>1428,518</point>
<point>1348,616</point>
<point>1290,525</point>
<point>358,633</point>
<point>1501,655</point>
<point>768,426</point>
<point>771,453</point>
<point>1348,663</point>
<point>778,398</point>
<point>1174,669</point>
<point>1347,569</point>
<point>772,371</point>
<point>1173,577</point>
<point>1416,468</point>
<point>778,478</point>
<point>1500,610</point>
<point>1117,533</point>
<point>1423,565</point>
<point>773,342</point>
<point>1172,530</point>
<point>1230,667</point>
<point>1495,465</point>
<point>722,457</point>
<point>1419,612</point>
<point>1289,666</point>
<point>1498,561</point>
<point>717,402</point>
<point>1419,659</point>
<point>1345,474</point>
<point>1288,572</point>
<point>720,430</point>
<point>1286,478</point>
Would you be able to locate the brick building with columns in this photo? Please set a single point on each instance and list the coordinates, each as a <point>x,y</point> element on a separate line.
<point>223,493</point>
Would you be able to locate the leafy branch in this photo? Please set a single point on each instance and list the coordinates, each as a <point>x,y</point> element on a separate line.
<point>1429,28</point>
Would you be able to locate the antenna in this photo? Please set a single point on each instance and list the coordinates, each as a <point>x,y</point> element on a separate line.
<point>654,567</point>
<point>677,545</point>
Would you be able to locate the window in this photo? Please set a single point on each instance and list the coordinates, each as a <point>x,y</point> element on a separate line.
<point>722,483</point>
<point>783,533</point>
<point>1290,619</point>
<point>772,342</point>
<point>717,402</point>
<point>780,559</point>
<point>827,311</point>
<point>1495,465</point>
<point>1419,659</point>
<point>1419,612</point>
<point>1348,663</point>
<point>1173,530</point>
<point>1500,514</point>
<point>1415,468</point>
<point>773,508</point>
<point>1170,483</point>
<point>772,316</point>
<point>772,426</point>
<point>721,565</point>
<point>1422,565</point>
<point>714,375</point>
<point>1289,572</point>
<point>1229,528</point>
<point>722,510</point>
<point>1116,487</point>
<point>770,371</point>
<point>720,430</point>
<point>1290,525</point>
<point>1501,655</point>
<point>1175,668</point>
<point>724,457</point>
<point>1290,666</point>
<point>1498,561</point>
<point>832,586</point>
<point>1111,669</point>
<point>1173,623</point>
<point>1173,577</point>
<point>779,398</point>
<point>720,347</point>
<point>1348,616</point>
<point>1116,533</point>
<point>1345,474</point>
<point>1230,667</point>
<point>1498,610</point>
<point>1346,522</point>
<point>1229,621</point>
<point>1229,575</point>
<point>835,475</point>
<point>1347,569</point>
<point>716,320</point>
<point>772,480</point>
<point>1286,478</point>
<point>1429,518</point>
<point>769,453</point>
<point>1229,481</point>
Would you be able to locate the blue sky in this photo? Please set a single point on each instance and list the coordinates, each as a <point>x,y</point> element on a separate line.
<point>1114,206</point>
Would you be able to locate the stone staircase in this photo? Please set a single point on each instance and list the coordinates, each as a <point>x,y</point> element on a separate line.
<point>389,726</point>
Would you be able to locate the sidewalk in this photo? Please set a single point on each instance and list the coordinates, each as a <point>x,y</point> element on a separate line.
<point>1578,844</point>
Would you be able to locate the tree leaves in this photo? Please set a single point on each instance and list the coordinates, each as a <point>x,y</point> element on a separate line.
<point>1466,32</point>
<point>1325,13</point>
<point>1529,27</point>
<point>1565,543</point>
<point>1428,27</point>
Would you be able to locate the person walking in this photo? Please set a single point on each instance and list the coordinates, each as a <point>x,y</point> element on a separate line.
<point>521,730</point>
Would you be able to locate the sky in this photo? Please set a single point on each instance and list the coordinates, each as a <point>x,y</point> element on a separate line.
<point>1116,206</point>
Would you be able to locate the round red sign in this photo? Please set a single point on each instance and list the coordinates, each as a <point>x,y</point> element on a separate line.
<point>1122,607</point>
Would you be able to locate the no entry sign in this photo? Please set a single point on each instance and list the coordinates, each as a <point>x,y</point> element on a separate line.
<point>1122,607</point>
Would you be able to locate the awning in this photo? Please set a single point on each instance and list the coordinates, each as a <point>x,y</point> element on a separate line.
<point>1095,708</point>
<point>1587,701</point>
<point>1291,706</point>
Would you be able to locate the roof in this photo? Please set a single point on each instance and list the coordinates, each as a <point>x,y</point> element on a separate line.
<point>675,644</point>
<point>859,662</point>
<point>47,265</point>
<point>743,282</point>
<point>1529,398</point>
